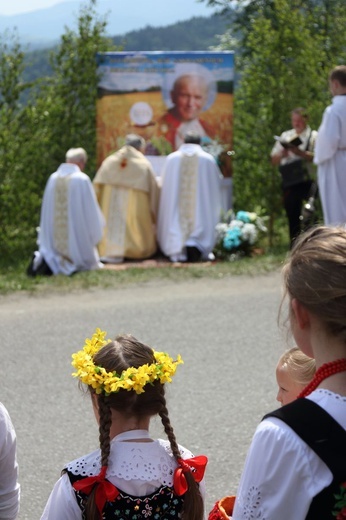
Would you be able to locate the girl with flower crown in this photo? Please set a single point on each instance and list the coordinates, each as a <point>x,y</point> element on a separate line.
<point>296,465</point>
<point>131,476</point>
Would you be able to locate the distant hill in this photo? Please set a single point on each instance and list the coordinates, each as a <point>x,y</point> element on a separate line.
<point>43,27</point>
<point>198,33</point>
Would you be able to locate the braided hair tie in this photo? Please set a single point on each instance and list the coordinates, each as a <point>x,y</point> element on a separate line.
<point>196,466</point>
<point>105,491</point>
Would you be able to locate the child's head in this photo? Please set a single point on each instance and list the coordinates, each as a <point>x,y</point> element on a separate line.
<point>118,356</point>
<point>293,372</point>
<point>315,275</point>
<point>128,377</point>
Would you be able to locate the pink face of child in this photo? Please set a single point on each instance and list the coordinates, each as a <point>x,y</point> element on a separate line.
<point>288,388</point>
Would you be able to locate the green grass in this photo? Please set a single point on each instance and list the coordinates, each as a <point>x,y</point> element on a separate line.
<point>14,279</point>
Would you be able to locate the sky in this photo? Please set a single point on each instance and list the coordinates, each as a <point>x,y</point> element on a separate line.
<point>39,22</point>
<point>21,6</point>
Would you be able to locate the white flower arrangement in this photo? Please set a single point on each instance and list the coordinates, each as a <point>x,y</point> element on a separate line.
<point>213,147</point>
<point>238,234</point>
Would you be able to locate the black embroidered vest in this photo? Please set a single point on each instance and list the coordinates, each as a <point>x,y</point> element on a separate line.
<point>163,504</point>
<point>327,439</point>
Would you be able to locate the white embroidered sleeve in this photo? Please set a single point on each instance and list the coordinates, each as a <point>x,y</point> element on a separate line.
<point>62,502</point>
<point>280,477</point>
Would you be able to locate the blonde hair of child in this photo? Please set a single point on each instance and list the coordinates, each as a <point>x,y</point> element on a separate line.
<point>301,367</point>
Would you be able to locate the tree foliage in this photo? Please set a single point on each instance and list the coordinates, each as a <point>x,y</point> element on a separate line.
<point>72,91</point>
<point>11,88</point>
<point>284,51</point>
<point>59,114</point>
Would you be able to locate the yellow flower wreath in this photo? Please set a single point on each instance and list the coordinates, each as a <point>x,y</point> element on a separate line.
<point>130,379</point>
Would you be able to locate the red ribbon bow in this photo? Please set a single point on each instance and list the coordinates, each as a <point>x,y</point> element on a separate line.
<point>105,491</point>
<point>196,466</point>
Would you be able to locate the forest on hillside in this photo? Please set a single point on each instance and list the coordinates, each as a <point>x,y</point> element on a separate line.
<point>198,33</point>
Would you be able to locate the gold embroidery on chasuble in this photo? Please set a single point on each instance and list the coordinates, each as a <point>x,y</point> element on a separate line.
<point>61,216</point>
<point>187,194</point>
<point>116,222</point>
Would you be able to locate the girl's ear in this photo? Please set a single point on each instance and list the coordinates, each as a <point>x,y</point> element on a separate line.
<point>301,314</point>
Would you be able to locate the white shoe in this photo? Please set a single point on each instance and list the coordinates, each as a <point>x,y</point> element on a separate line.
<point>178,258</point>
<point>112,259</point>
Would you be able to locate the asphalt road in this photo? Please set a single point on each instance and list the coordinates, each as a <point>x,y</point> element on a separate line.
<point>225,330</point>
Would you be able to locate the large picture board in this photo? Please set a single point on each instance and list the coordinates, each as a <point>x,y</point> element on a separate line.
<point>162,96</point>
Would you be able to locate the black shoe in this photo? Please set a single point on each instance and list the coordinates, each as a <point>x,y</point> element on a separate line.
<point>42,269</point>
<point>193,254</point>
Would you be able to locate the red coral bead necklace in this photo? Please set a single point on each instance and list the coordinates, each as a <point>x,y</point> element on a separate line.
<point>326,370</point>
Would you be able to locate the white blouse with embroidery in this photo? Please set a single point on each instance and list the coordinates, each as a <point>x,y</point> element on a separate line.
<point>137,466</point>
<point>282,474</point>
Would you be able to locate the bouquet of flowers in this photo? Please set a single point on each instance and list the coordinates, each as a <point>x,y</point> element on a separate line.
<point>213,147</point>
<point>238,234</point>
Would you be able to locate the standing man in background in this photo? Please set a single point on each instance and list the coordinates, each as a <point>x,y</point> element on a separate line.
<point>294,164</point>
<point>330,153</point>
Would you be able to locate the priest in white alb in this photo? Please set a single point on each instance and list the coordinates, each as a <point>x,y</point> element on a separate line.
<point>71,223</point>
<point>190,203</point>
<point>127,191</point>
<point>330,152</point>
